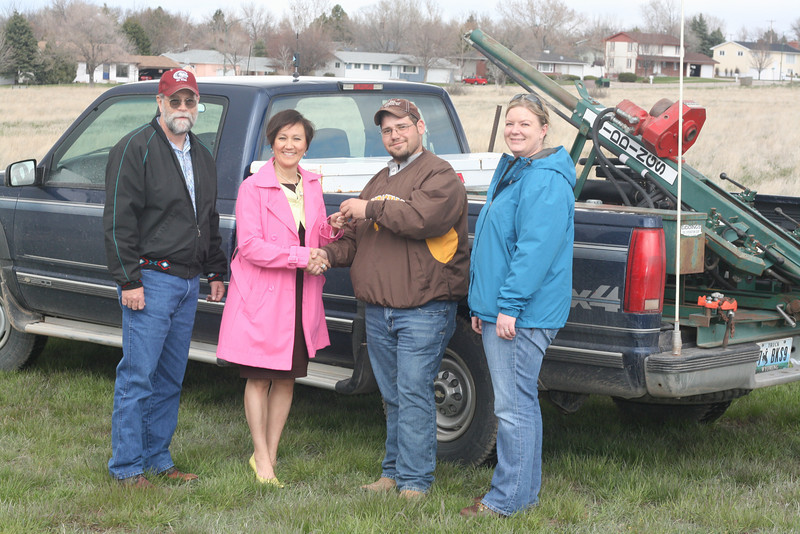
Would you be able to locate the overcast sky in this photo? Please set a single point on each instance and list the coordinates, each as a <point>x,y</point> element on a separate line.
<point>778,14</point>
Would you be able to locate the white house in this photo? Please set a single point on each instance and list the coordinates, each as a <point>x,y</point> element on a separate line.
<point>762,61</point>
<point>649,54</point>
<point>380,66</point>
<point>126,70</point>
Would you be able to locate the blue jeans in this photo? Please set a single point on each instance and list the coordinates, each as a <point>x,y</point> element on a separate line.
<point>155,349</point>
<point>514,366</point>
<point>405,349</point>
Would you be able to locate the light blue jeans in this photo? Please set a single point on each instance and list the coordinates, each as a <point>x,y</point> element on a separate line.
<point>155,349</point>
<point>514,366</point>
<point>406,348</point>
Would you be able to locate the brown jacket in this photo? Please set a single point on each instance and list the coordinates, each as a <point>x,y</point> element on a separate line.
<point>412,248</point>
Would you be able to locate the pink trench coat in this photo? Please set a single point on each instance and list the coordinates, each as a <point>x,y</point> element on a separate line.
<point>258,319</point>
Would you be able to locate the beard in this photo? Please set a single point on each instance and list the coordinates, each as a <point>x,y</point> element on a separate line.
<point>179,123</point>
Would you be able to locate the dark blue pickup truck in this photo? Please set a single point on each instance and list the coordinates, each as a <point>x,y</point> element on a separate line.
<point>54,281</point>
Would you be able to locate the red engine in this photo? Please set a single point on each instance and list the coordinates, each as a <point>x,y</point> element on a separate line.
<point>659,127</point>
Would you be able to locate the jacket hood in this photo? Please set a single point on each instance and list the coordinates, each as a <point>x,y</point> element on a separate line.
<point>552,159</point>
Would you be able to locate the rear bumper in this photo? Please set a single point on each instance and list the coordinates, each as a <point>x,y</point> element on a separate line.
<point>698,371</point>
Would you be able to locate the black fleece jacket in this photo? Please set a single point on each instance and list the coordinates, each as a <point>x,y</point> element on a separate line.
<point>148,217</point>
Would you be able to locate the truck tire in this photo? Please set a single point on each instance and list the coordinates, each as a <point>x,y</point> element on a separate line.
<point>652,412</point>
<point>17,348</point>
<point>466,425</point>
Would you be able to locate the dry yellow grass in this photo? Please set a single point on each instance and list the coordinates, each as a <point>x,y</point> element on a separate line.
<point>750,133</point>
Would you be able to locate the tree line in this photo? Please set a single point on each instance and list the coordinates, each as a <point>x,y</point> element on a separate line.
<point>44,45</point>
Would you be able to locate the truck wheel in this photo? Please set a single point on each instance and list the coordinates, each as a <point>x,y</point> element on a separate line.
<point>17,348</point>
<point>652,412</point>
<point>466,425</point>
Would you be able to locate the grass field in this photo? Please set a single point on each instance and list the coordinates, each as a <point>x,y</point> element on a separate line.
<point>601,473</point>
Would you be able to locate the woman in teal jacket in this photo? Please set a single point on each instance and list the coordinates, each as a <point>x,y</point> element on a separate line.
<point>520,292</point>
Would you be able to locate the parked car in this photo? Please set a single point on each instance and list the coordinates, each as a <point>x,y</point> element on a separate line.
<point>475,80</point>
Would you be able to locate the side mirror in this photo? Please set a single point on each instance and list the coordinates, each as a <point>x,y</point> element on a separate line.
<point>21,173</point>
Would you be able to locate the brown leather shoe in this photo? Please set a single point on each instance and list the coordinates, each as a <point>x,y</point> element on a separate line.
<point>479,510</point>
<point>411,495</point>
<point>173,474</point>
<point>382,484</point>
<point>136,482</point>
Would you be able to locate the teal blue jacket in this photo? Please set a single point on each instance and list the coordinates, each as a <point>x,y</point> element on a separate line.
<point>522,253</point>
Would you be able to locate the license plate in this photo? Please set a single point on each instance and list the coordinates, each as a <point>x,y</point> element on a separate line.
<point>774,355</point>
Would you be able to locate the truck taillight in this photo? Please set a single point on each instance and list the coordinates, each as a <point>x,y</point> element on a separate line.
<point>647,266</point>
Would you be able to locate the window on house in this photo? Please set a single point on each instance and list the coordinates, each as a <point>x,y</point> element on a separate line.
<point>409,69</point>
<point>376,67</point>
<point>629,64</point>
<point>611,63</point>
<point>739,53</point>
<point>722,52</point>
<point>122,71</point>
<point>630,47</point>
<point>356,65</point>
<point>337,65</point>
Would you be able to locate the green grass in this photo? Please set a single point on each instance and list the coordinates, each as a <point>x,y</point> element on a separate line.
<point>601,474</point>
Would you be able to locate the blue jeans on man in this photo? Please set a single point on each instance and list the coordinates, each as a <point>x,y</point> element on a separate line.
<point>514,366</point>
<point>155,349</point>
<point>405,349</point>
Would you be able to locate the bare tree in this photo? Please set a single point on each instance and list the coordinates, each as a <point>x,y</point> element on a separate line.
<point>310,47</point>
<point>591,45</point>
<point>258,22</point>
<point>385,26</point>
<point>541,25</point>
<point>431,39</point>
<point>302,13</point>
<point>227,36</point>
<point>796,28</point>
<point>760,56</point>
<point>662,16</point>
<point>91,34</point>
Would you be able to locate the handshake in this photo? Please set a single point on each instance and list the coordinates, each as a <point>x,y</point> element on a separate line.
<point>318,262</point>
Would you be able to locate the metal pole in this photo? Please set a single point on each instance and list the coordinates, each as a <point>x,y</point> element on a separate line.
<point>494,127</point>
<point>677,343</point>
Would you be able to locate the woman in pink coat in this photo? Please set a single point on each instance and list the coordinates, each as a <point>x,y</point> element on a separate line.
<point>273,320</point>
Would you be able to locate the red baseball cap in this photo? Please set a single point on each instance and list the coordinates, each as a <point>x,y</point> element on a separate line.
<point>174,80</point>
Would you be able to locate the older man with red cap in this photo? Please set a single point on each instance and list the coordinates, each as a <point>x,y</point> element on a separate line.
<point>408,255</point>
<point>161,233</point>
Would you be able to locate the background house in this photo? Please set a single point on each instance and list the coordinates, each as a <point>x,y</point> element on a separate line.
<point>653,54</point>
<point>559,64</point>
<point>381,66</point>
<point>123,71</point>
<point>761,60</point>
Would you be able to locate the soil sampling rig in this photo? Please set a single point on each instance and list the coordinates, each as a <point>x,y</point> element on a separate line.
<point>733,259</point>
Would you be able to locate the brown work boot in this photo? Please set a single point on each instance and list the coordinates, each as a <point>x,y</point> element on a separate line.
<point>479,510</point>
<point>411,495</point>
<point>382,484</point>
<point>173,474</point>
<point>136,482</point>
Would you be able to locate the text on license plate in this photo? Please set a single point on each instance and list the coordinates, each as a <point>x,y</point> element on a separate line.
<point>774,355</point>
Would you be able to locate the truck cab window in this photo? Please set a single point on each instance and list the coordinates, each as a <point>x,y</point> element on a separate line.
<point>80,161</point>
<point>345,128</point>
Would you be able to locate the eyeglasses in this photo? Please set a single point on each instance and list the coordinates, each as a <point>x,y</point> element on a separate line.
<point>530,97</point>
<point>175,103</point>
<point>400,129</point>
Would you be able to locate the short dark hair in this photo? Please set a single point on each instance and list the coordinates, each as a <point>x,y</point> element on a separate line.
<point>288,117</point>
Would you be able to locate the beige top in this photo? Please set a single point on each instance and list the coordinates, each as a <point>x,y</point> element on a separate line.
<point>295,199</point>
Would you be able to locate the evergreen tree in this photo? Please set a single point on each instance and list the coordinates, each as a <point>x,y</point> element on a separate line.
<point>24,54</point>
<point>137,36</point>
<point>55,67</point>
